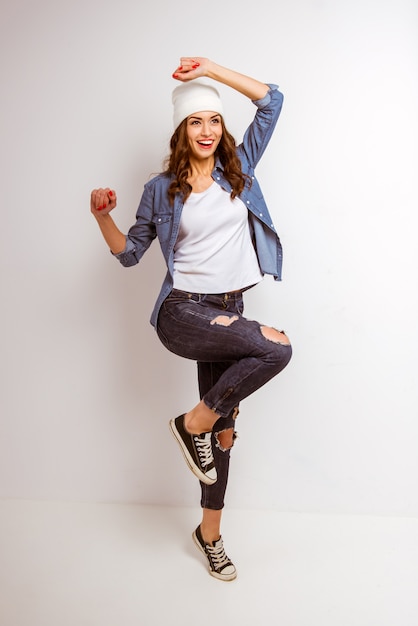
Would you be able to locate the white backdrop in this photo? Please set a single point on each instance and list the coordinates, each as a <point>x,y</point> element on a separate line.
<point>87,389</point>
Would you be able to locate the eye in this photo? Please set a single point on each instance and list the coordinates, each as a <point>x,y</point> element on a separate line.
<point>216,120</point>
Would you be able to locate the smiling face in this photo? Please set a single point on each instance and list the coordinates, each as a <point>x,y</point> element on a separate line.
<point>204,132</point>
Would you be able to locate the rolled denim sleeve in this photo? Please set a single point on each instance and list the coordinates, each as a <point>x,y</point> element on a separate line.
<point>263,102</point>
<point>258,134</point>
<point>127,256</point>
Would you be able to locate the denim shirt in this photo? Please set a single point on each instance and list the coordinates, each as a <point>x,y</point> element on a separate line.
<point>155,216</point>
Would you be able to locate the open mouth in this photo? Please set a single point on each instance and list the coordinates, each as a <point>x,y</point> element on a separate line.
<point>207,143</point>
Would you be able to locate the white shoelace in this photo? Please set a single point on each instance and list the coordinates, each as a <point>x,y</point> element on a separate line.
<point>204,448</point>
<point>218,555</point>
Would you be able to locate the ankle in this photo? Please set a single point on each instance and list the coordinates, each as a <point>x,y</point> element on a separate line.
<point>196,424</point>
<point>190,424</point>
<point>210,535</point>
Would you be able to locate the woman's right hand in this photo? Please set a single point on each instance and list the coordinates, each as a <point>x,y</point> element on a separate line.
<point>102,201</point>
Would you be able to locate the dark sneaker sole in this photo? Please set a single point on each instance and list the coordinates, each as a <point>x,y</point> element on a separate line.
<point>188,458</point>
<point>225,577</point>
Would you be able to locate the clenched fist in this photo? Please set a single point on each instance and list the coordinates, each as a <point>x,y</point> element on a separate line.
<point>102,201</point>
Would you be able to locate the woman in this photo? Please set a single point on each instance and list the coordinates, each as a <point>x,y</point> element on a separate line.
<point>218,240</point>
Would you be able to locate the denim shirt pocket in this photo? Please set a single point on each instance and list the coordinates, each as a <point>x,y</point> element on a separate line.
<point>163,224</point>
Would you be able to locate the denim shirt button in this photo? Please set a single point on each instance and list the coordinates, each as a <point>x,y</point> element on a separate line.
<point>261,215</point>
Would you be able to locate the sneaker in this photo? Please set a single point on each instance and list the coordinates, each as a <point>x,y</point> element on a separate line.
<point>220,565</point>
<point>197,450</point>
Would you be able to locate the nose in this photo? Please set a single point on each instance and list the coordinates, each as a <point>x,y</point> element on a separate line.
<point>205,130</point>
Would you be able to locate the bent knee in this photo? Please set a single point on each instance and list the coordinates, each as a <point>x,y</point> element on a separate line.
<point>274,335</point>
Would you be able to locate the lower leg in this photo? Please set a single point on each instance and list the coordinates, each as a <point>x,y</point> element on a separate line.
<point>210,526</point>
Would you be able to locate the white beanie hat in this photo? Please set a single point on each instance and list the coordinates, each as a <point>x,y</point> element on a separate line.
<point>193,97</point>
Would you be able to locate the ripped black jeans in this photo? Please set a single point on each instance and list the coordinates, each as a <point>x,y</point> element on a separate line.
<point>234,355</point>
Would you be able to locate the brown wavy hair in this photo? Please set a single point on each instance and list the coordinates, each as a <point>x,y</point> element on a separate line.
<point>177,164</point>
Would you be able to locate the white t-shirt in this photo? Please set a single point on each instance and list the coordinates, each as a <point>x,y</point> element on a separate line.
<point>214,252</point>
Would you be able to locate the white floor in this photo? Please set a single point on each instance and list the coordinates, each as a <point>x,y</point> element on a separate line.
<point>65,564</point>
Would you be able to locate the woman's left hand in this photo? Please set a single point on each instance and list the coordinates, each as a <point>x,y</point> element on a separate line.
<point>190,68</point>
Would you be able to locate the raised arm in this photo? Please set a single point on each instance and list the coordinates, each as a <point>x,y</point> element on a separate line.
<point>197,67</point>
<point>102,201</point>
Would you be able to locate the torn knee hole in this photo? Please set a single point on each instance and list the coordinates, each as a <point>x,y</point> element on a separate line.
<point>225,439</point>
<point>277,336</point>
<point>224,320</point>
